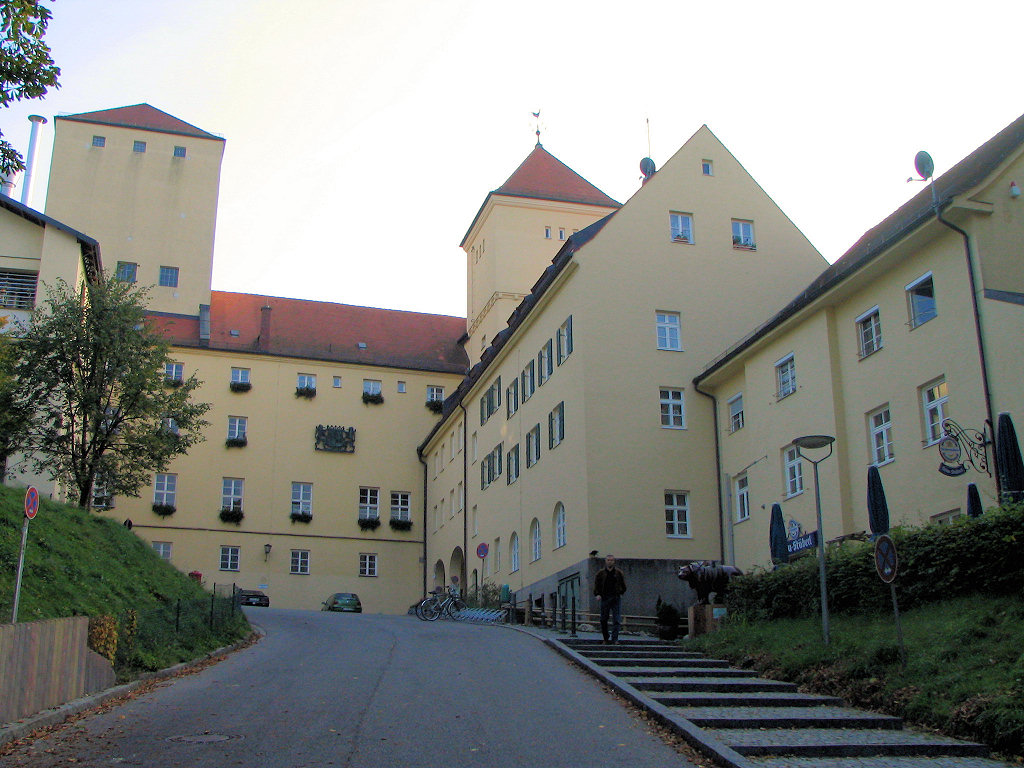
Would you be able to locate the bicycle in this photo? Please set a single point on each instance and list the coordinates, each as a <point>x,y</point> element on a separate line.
<point>435,606</point>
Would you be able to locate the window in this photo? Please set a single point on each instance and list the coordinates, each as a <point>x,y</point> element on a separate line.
<point>435,393</point>
<point>736,412</point>
<point>174,371</point>
<point>785,377</point>
<point>668,330</point>
<point>497,554</point>
<point>400,507</point>
<point>17,289</point>
<point>179,151</point>
<point>240,375</point>
<point>126,271</point>
<point>681,225</point>
<point>170,425</point>
<point>490,401</point>
<point>451,499</point>
<point>869,332</point>
<point>563,340</point>
<point>371,387</point>
<point>451,445</point>
<point>707,168</point>
<point>99,141</point>
<point>880,426</point>
<point>369,503</point>
<point>534,540</point>
<point>921,300</point>
<point>672,409</point>
<point>556,425</point>
<point>473,446</point>
<point>677,514</point>
<point>165,489</point>
<point>513,553</point>
<point>561,233</point>
<point>945,518</point>
<point>473,515</point>
<point>560,537</point>
<point>545,362</point>
<point>547,233</point>
<point>743,235</point>
<point>231,493</point>
<point>169,277</point>
<point>512,462</point>
<point>461,497</point>
<point>512,398</point>
<point>336,382</point>
<point>139,147</point>
<point>300,562</point>
<point>401,387</point>
<point>367,564</point>
<point>302,499</point>
<point>101,498</point>
<point>533,446</point>
<point>742,498</point>
<point>305,381</point>
<point>236,427</point>
<point>794,472</point>
<point>934,397</point>
<point>529,381</point>
<point>229,557</point>
<point>163,549</point>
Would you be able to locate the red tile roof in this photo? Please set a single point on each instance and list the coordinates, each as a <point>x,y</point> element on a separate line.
<point>542,175</point>
<point>141,116</point>
<point>324,331</point>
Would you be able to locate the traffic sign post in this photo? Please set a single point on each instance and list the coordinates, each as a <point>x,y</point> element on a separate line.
<point>31,509</point>
<point>481,552</point>
<point>887,566</point>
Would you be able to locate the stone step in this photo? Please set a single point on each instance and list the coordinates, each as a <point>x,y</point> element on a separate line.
<point>613,651</point>
<point>740,699</point>
<point>574,642</point>
<point>606,660</point>
<point>677,671</point>
<point>787,717</point>
<point>841,742</point>
<point>720,684</point>
<point>888,761</point>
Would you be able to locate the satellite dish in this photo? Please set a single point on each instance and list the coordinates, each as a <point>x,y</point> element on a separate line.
<point>647,167</point>
<point>923,165</point>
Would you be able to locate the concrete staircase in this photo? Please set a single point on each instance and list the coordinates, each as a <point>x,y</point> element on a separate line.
<point>745,721</point>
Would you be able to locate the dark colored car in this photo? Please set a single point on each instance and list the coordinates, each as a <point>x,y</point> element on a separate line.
<point>252,597</point>
<point>343,601</point>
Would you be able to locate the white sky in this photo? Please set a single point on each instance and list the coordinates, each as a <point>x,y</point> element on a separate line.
<point>363,135</point>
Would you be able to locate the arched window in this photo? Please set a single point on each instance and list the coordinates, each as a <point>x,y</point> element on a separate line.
<point>513,553</point>
<point>559,523</point>
<point>535,540</point>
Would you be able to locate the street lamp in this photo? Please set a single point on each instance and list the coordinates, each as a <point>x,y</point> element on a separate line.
<point>266,551</point>
<point>815,442</point>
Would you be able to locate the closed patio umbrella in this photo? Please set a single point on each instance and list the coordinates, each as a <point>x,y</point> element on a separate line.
<point>777,537</point>
<point>878,509</point>
<point>974,508</point>
<point>1008,461</point>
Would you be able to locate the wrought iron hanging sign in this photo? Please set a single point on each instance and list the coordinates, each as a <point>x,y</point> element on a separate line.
<point>336,439</point>
<point>959,447</point>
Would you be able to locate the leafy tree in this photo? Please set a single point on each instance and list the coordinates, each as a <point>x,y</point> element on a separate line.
<point>26,69</point>
<point>13,418</point>
<point>92,373</point>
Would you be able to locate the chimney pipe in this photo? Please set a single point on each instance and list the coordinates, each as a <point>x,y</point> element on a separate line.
<point>30,157</point>
<point>264,340</point>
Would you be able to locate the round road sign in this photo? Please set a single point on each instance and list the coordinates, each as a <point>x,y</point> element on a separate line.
<point>31,502</point>
<point>482,551</point>
<point>886,562</point>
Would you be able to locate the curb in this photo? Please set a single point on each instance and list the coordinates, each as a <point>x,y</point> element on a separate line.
<point>20,729</point>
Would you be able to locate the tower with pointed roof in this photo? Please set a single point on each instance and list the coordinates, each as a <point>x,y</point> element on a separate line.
<point>145,184</point>
<point>516,233</point>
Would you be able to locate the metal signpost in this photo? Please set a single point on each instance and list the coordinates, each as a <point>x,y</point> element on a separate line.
<point>887,565</point>
<point>481,552</point>
<point>31,508</point>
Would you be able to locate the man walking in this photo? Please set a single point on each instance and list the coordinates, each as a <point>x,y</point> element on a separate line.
<point>609,586</point>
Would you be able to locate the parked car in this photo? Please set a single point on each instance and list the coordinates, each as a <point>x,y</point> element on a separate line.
<point>252,597</point>
<point>343,601</point>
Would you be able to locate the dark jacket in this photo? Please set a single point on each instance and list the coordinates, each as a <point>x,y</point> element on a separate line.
<point>609,583</point>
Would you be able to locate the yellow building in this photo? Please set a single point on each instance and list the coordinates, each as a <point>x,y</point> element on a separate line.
<point>921,321</point>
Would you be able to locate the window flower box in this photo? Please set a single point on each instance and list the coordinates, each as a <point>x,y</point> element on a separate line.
<point>237,442</point>
<point>240,386</point>
<point>308,392</point>
<point>173,383</point>
<point>400,525</point>
<point>231,515</point>
<point>375,399</point>
<point>301,517</point>
<point>369,523</point>
<point>436,406</point>
<point>164,509</point>
<point>744,243</point>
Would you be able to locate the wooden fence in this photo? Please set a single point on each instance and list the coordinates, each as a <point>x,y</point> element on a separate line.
<point>44,664</point>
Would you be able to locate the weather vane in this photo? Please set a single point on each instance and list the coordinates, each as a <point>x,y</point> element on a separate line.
<point>536,116</point>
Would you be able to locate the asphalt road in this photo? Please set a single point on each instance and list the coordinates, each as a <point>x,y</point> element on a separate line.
<point>366,691</point>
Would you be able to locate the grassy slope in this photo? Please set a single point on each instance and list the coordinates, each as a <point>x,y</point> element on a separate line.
<point>83,564</point>
<point>964,676</point>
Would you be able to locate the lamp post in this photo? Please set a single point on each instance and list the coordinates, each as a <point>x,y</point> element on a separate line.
<point>814,442</point>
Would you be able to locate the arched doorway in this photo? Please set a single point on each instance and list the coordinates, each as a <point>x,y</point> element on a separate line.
<point>439,579</point>
<point>457,567</point>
